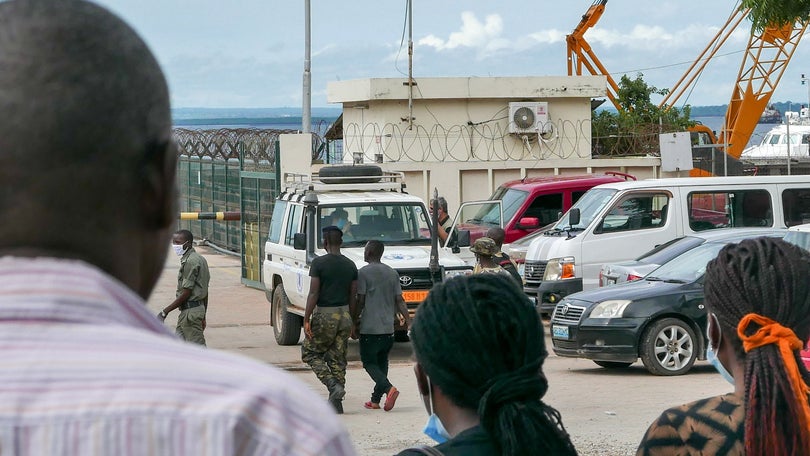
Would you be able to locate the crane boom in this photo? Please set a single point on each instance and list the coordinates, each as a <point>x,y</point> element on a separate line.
<point>581,54</point>
<point>766,58</point>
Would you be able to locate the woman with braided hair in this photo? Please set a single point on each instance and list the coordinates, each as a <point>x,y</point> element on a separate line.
<point>758,299</point>
<point>479,349</point>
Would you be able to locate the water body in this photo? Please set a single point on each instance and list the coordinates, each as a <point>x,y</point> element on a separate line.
<point>716,124</point>
<point>319,124</point>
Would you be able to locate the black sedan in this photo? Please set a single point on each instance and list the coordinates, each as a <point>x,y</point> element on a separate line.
<point>660,319</point>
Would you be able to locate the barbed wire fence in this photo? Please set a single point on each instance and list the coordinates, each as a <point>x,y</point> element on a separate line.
<point>492,142</point>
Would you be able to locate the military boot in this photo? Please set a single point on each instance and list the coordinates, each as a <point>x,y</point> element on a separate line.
<point>336,390</point>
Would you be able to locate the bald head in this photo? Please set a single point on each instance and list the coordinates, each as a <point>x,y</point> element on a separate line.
<point>85,141</point>
<point>497,234</point>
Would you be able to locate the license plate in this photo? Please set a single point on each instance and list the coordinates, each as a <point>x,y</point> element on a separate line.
<point>414,296</point>
<point>560,332</point>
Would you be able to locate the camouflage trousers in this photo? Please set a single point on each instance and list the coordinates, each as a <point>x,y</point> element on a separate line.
<point>326,351</point>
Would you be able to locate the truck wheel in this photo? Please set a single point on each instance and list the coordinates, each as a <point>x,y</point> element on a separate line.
<point>341,174</point>
<point>612,364</point>
<point>286,325</point>
<point>668,347</point>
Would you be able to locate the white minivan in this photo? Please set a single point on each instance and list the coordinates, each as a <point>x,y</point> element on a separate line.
<point>619,221</point>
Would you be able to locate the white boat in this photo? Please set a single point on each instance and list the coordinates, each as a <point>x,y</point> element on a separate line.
<point>775,144</point>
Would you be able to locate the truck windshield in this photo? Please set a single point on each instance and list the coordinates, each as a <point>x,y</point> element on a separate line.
<point>512,201</point>
<point>390,223</point>
<point>590,205</point>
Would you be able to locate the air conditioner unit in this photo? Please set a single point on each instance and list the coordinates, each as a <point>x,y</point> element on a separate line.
<point>526,117</point>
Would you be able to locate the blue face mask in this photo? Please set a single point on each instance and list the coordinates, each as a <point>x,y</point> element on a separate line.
<point>434,427</point>
<point>712,358</point>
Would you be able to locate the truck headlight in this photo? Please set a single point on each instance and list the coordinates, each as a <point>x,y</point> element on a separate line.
<point>612,308</point>
<point>559,269</point>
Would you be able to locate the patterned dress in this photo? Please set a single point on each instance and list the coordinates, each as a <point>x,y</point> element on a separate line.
<point>713,426</point>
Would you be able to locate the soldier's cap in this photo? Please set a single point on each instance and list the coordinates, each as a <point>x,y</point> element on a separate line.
<point>329,228</point>
<point>484,246</point>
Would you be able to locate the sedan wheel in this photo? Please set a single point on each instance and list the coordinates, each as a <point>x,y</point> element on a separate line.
<point>668,347</point>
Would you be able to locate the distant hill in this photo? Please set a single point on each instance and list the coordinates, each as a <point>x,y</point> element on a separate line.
<point>720,110</point>
<point>250,113</point>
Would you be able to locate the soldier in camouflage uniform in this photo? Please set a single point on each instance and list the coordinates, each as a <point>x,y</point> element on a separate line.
<point>327,320</point>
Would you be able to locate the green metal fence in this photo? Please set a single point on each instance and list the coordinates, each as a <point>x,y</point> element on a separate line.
<point>230,170</point>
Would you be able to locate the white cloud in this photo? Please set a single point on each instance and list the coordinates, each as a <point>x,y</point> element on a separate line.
<point>473,34</point>
<point>550,36</point>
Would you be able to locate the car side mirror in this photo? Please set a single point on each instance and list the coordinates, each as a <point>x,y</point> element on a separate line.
<point>573,216</point>
<point>528,223</point>
<point>300,241</point>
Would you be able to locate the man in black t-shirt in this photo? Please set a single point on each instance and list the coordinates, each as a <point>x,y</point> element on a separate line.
<point>327,320</point>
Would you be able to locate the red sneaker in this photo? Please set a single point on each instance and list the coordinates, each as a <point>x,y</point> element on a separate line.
<point>391,398</point>
<point>372,405</point>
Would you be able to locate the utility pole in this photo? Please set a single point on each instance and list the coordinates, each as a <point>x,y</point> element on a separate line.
<point>306,110</point>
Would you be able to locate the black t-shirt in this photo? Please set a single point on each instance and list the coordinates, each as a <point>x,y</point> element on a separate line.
<point>336,273</point>
<point>472,442</point>
<point>506,263</point>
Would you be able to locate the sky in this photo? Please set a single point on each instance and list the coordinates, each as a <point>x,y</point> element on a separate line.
<point>250,53</point>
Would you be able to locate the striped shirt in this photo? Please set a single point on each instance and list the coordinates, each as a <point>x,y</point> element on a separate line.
<point>85,369</point>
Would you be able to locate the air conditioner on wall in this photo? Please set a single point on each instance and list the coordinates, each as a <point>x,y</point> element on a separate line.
<point>528,117</point>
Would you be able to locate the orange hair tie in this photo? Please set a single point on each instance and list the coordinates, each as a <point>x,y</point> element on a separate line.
<point>771,332</point>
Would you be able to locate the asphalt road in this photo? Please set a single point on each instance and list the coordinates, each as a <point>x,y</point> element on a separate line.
<point>605,411</point>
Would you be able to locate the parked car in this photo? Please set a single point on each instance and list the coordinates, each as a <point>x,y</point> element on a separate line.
<point>660,319</point>
<point>627,271</point>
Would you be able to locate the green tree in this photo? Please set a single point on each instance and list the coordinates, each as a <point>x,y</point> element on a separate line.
<point>776,12</point>
<point>634,129</point>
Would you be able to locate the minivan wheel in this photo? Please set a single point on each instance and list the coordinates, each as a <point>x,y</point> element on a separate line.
<point>668,347</point>
<point>286,325</point>
<point>612,364</point>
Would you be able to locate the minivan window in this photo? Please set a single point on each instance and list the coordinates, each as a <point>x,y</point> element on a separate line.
<point>796,206</point>
<point>636,211</point>
<point>721,209</point>
<point>589,207</point>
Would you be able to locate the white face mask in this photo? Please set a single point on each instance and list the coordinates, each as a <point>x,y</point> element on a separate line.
<point>178,249</point>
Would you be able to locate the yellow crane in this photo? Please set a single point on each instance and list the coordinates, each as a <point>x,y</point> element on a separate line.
<point>764,62</point>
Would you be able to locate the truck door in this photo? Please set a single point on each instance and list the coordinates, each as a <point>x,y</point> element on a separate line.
<point>474,217</point>
<point>295,271</point>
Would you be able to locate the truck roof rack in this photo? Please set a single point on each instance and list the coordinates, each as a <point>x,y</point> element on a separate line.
<point>299,182</point>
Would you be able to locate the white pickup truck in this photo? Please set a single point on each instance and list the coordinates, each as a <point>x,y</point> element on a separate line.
<point>375,206</point>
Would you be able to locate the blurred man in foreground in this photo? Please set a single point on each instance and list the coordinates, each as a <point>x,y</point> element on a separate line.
<point>88,173</point>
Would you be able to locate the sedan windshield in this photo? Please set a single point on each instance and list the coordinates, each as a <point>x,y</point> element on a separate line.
<point>689,266</point>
